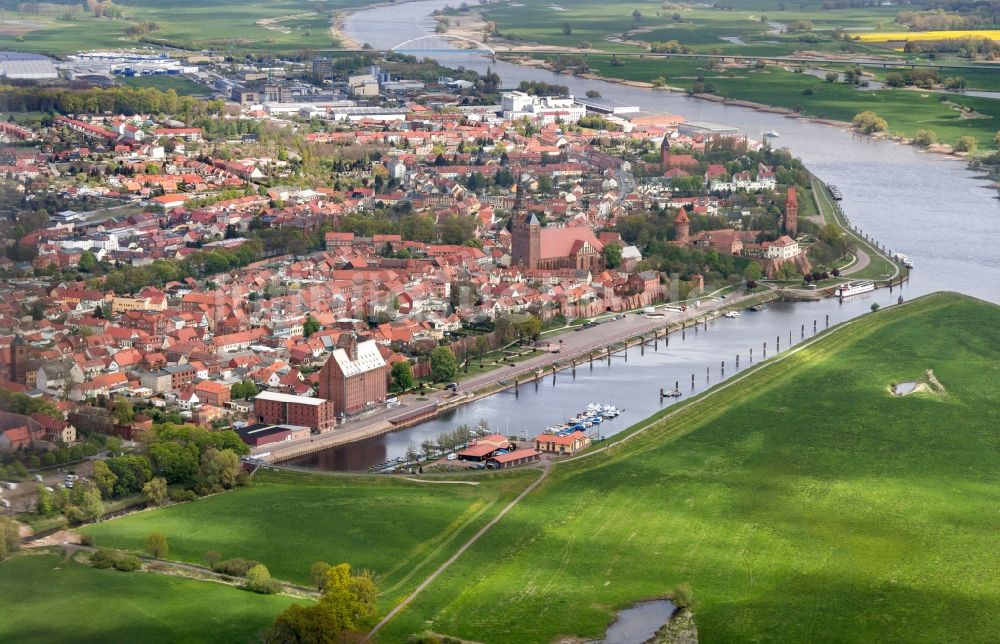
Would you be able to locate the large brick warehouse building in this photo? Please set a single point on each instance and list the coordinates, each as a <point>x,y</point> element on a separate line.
<point>355,377</point>
<point>283,409</point>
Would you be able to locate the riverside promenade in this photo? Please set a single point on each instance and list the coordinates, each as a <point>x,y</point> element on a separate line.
<point>607,338</point>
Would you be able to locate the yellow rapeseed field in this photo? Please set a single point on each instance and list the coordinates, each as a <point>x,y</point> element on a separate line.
<point>888,36</point>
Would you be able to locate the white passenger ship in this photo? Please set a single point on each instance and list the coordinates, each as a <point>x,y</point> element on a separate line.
<point>855,288</point>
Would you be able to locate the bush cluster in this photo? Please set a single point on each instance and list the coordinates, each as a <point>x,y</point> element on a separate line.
<point>235,567</point>
<point>106,558</point>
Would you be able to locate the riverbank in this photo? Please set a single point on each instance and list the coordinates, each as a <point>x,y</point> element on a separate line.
<point>942,149</point>
<point>604,341</point>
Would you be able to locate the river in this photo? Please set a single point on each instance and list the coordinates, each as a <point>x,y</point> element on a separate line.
<point>927,206</point>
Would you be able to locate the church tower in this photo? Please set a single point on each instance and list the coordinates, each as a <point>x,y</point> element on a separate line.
<point>19,360</point>
<point>682,228</point>
<point>526,241</point>
<point>792,213</point>
<point>665,154</point>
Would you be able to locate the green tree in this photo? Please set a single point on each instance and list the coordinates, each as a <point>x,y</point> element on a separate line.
<point>318,572</point>
<point>612,255</point>
<point>45,501</point>
<point>752,272</point>
<point>259,580</point>
<point>567,29</point>
<point>966,144</point>
<point>133,472</point>
<point>88,262</point>
<point>10,538</point>
<point>310,326</point>
<point>402,375</point>
<point>104,478</point>
<point>344,612</point>
<point>157,546</point>
<point>123,411</point>
<point>218,470</point>
<point>88,505</point>
<point>528,326</point>
<point>457,230</point>
<point>175,462</point>
<point>869,123</point>
<point>444,365</point>
<point>156,490</point>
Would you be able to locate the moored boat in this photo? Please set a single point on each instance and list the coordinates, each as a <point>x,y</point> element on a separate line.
<point>855,288</point>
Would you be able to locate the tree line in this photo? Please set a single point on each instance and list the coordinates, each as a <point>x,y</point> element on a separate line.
<point>116,100</point>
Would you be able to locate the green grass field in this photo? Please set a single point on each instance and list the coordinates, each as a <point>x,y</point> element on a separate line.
<point>804,503</point>
<point>395,528</point>
<point>191,24</point>
<point>47,599</point>
<point>700,27</point>
<point>179,84</point>
<point>905,110</point>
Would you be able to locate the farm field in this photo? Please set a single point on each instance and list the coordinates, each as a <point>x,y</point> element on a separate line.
<point>893,36</point>
<point>737,30</point>
<point>802,503</point>
<point>287,521</point>
<point>48,599</point>
<point>290,25</point>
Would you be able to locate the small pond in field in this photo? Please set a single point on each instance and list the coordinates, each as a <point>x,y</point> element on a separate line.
<point>904,388</point>
<point>638,623</point>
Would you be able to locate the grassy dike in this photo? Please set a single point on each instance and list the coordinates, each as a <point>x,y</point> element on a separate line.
<point>804,502</point>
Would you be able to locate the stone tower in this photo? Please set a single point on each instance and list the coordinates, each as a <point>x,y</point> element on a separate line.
<point>682,227</point>
<point>19,360</point>
<point>665,154</point>
<point>792,213</point>
<point>526,241</point>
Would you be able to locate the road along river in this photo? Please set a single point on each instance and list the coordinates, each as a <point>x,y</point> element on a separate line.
<point>924,205</point>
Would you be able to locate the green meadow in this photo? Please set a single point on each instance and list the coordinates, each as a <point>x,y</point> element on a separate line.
<point>190,24</point>
<point>906,110</point>
<point>179,84</point>
<point>802,503</point>
<point>701,27</point>
<point>47,599</point>
<point>393,527</point>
